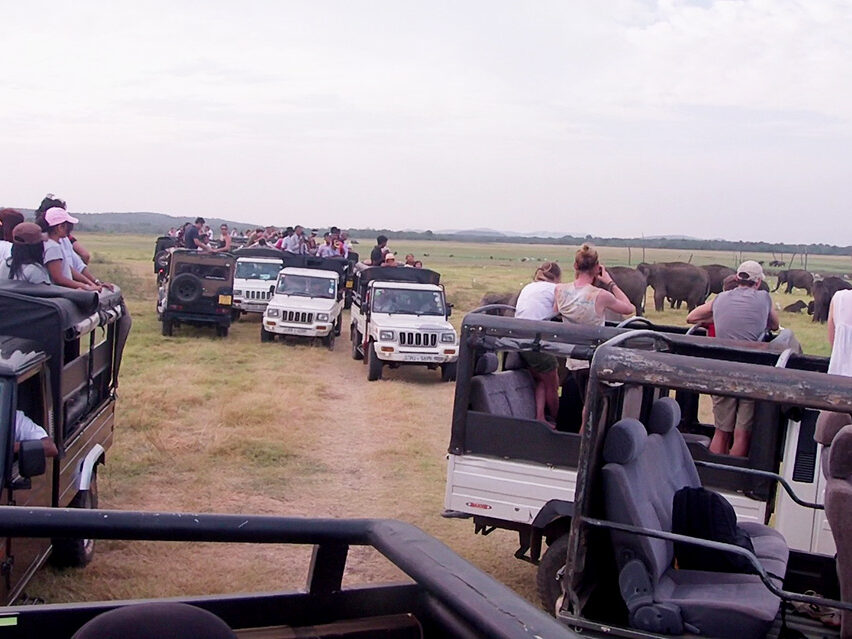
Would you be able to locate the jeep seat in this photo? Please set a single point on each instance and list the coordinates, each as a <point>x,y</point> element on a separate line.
<point>641,474</point>
<point>160,620</point>
<point>510,393</point>
<point>838,511</point>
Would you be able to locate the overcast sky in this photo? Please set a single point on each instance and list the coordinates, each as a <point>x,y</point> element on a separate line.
<point>712,119</point>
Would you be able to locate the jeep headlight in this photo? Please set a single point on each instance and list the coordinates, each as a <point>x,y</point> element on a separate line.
<point>448,338</point>
<point>237,293</point>
<point>322,317</point>
<point>386,336</point>
<point>273,312</point>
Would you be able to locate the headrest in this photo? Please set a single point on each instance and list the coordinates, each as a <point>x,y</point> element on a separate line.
<point>486,363</point>
<point>840,454</point>
<point>156,619</point>
<point>513,361</point>
<point>624,441</point>
<point>665,415</point>
<point>828,425</point>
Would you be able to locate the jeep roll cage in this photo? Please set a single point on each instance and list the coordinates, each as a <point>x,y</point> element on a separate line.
<point>446,596</point>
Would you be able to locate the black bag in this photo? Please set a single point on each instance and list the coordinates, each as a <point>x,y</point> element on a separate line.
<point>698,512</point>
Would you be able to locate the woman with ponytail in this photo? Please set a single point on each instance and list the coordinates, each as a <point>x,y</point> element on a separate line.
<point>536,302</point>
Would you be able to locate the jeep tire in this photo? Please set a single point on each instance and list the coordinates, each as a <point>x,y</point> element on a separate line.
<point>76,553</point>
<point>338,326</point>
<point>266,336</point>
<point>221,330</point>
<point>448,371</point>
<point>186,288</point>
<point>356,342</point>
<point>168,327</point>
<point>548,579</point>
<point>328,341</point>
<point>374,371</point>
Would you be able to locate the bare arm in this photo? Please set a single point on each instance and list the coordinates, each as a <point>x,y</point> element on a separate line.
<point>772,323</point>
<point>54,268</point>
<point>701,314</point>
<point>81,250</point>
<point>50,449</point>
<point>204,247</point>
<point>831,324</point>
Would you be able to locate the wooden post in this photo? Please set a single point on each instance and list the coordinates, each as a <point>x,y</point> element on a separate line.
<point>629,262</point>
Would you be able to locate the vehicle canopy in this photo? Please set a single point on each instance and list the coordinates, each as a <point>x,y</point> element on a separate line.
<point>58,319</point>
<point>366,274</point>
<point>259,251</point>
<point>666,365</point>
<point>18,355</point>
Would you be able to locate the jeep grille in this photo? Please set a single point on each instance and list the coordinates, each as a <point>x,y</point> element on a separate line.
<point>418,339</point>
<point>258,295</point>
<point>299,317</point>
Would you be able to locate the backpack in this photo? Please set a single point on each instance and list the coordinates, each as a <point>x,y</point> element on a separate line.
<point>698,512</point>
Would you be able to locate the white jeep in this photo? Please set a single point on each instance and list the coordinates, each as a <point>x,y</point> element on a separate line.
<point>254,280</point>
<point>400,316</point>
<point>306,303</point>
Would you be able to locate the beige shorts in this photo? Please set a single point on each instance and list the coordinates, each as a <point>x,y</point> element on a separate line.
<point>732,414</point>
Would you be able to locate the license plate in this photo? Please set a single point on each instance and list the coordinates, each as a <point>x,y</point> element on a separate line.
<point>349,284</point>
<point>225,300</point>
<point>296,331</point>
<point>423,358</point>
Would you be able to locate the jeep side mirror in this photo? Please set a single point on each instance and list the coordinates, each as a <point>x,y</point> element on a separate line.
<point>31,458</point>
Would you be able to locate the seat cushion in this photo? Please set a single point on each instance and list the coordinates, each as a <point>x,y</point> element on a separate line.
<point>770,548</point>
<point>695,438</point>
<point>724,605</point>
<point>510,393</point>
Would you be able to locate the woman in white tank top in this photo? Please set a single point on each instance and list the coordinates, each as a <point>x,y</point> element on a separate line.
<point>840,333</point>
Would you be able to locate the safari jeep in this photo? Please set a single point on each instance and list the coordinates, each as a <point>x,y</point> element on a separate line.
<point>307,300</point>
<point>60,352</point>
<point>509,471</point>
<point>400,316</point>
<point>254,280</point>
<point>197,290</point>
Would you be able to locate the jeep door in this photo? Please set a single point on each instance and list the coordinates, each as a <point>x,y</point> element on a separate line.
<point>23,556</point>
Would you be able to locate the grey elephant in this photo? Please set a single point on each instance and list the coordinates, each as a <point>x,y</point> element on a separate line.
<point>824,290</point>
<point>678,281</point>
<point>510,299</point>
<point>633,282</point>
<point>795,278</point>
<point>717,274</point>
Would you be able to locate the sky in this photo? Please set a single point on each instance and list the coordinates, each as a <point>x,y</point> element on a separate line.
<point>711,119</point>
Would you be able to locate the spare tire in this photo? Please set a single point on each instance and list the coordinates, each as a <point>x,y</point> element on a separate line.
<point>186,288</point>
<point>161,260</point>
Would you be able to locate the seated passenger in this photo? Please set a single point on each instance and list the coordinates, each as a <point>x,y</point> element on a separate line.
<point>27,261</point>
<point>27,430</point>
<point>390,260</point>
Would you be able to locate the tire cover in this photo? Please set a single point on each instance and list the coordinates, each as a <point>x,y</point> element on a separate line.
<point>186,288</point>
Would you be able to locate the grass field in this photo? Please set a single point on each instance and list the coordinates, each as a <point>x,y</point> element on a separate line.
<point>234,425</point>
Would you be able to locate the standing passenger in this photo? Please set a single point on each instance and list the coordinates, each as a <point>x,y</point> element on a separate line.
<point>536,302</point>
<point>742,313</point>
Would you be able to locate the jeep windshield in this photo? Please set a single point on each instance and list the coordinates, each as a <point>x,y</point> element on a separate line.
<point>257,271</point>
<point>305,286</point>
<point>408,302</point>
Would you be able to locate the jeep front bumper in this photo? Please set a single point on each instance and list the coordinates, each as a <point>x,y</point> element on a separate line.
<point>389,352</point>
<point>290,328</point>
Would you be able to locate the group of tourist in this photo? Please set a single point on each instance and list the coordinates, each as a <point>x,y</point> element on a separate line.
<point>45,251</point>
<point>742,312</point>
<point>381,255</point>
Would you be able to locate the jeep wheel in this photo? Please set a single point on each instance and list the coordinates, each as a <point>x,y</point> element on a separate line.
<point>448,371</point>
<point>221,331</point>
<point>338,326</point>
<point>75,553</point>
<point>374,371</point>
<point>168,327</point>
<point>235,315</point>
<point>266,336</point>
<point>186,288</point>
<point>551,568</point>
<point>356,342</point>
<point>328,340</point>
<point>161,260</point>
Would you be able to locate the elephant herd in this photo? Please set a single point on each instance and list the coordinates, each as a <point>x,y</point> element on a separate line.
<point>680,282</point>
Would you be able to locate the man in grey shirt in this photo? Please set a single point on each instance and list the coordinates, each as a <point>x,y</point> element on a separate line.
<point>742,313</point>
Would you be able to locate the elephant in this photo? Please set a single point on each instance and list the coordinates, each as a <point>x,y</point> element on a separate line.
<point>633,282</point>
<point>731,283</point>
<point>510,299</point>
<point>824,290</point>
<point>795,278</point>
<point>717,274</point>
<point>795,307</point>
<point>678,281</point>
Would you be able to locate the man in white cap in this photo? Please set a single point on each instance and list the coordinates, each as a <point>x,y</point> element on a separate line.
<point>743,313</point>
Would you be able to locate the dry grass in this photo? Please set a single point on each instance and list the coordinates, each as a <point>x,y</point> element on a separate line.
<point>290,429</point>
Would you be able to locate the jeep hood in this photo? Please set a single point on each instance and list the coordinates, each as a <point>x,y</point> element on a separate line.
<point>295,302</point>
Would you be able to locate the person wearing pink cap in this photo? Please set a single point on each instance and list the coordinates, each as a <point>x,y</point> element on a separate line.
<point>66,268</point>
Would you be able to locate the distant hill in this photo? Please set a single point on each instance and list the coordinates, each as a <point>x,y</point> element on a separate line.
<point>138,222</point>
